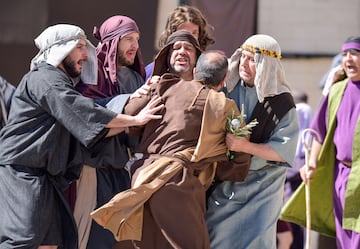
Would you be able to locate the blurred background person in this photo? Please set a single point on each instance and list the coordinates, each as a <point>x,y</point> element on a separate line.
<point>187,18</point>
<point>293,179</point>
<point>6,92</point>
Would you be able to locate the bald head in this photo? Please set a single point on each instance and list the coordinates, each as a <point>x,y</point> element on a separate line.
<point>211,68</point>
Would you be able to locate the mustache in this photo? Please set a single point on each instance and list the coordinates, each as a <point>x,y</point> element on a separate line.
<point>182,56</point>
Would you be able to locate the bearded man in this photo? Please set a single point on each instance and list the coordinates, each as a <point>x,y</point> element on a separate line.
<point>120,73</point>
<point>52,131</point>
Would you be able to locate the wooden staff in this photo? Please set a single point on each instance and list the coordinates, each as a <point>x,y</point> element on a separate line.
<point>307,186</point>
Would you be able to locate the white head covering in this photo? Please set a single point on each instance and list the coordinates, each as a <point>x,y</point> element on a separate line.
<point>56,42</point>
<point>270,76</point>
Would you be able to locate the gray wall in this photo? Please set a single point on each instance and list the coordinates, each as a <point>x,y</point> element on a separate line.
<point>309,27</point>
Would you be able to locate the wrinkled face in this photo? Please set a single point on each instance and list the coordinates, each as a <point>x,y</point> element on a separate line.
<point>247,67</point>
<point>182,59</point>
<point>351,64</point>
<point>72,63</point>
<point>191,28</point>
<point>127,48</point>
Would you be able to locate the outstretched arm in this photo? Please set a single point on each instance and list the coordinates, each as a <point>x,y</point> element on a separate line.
<point>122,121</point>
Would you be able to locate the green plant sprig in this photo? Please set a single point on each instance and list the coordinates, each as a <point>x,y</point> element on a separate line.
<point>237,126</point>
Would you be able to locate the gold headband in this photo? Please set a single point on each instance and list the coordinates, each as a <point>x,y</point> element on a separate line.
<point>263,51</point>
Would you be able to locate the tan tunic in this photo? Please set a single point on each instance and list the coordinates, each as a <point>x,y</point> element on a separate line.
<point>165,207</point>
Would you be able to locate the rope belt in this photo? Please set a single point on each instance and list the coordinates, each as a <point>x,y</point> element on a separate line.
<point>346,163</point>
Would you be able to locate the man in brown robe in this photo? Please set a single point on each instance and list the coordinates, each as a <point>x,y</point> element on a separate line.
<point>166,205</point>
<point>178,56</point>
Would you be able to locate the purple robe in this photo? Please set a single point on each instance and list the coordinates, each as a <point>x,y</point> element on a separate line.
<point>346,118</point>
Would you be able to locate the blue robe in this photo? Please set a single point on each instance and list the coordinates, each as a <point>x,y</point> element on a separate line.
<point>244,214</point>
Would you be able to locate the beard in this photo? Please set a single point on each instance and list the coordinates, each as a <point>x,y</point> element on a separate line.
<point>122,61</point>
<point>70,68</point>
<point>181,68</point>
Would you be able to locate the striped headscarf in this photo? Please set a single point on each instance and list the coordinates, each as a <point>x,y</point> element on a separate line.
<point>109,35</point>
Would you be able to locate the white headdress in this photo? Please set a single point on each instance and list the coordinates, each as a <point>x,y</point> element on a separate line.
<point>270,76</point>
<point>56,42</point>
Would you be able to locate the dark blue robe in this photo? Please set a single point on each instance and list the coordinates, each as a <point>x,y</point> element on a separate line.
<point>52,132</point>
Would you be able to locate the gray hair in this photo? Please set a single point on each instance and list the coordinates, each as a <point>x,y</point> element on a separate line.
<point>211,68</point>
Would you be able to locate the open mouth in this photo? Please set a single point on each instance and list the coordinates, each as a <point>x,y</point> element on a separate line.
<point>80,63</point>
<point>131,54</point>
<point>351,68</point>
<point>182,60</point>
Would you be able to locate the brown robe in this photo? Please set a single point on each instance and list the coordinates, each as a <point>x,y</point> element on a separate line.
<point>165,207</point>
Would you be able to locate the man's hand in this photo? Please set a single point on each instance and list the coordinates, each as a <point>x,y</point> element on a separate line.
<point>153,80</point>
<point>148,112</point>
<point>235,143</point>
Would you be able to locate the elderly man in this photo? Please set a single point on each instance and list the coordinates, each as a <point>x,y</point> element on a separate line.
<point>120,73</point>
<point>244,214</point>
<point>51,133</point>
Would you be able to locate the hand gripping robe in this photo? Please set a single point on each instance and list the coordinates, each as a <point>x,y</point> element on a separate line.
<point>180,154</point>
